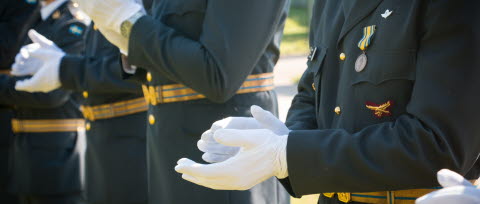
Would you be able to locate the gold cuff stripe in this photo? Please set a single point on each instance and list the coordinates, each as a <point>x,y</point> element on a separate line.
<point>178,92</point>
<point>42,126</point>
<point>114,110</point>
<point>390,197</point>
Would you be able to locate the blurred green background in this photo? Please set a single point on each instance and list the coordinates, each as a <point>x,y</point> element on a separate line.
<point>295,43</point>
<point>295,38</point>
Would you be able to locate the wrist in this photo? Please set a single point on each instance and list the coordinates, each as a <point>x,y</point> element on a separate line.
<point>127,25</point>
<point>281,168</point>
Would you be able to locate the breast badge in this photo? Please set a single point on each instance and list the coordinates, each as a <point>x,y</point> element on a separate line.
<point>381,110</point>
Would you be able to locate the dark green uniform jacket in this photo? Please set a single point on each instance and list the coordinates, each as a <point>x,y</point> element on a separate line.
<point>13,17</point>
<point>46,163</point>
<point>210,46</point>
<point>116,167</point>
<point>411,111</point>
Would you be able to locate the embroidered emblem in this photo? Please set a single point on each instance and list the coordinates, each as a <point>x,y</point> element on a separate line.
<point>380,110</point>
<point>76,30</point>
<point>387,14</point>
<point>31,1</point>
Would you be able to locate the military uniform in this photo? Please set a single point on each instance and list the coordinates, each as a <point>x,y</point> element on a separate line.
<point>388,99</point>
<point>116,168</point>
<point>205,60</point>
<point>13,17</point>
<point>46,161</point>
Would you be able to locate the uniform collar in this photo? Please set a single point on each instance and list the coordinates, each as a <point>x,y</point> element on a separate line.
<point>47,10</point>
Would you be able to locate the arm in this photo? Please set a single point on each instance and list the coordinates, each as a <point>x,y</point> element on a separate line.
<point>301,115</point>
<point>9,96</point>
<point>438,131</point>
<point>95,74</point>
<point>235,34</point>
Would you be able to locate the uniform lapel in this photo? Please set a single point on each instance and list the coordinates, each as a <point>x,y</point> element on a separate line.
<point>355,11</point>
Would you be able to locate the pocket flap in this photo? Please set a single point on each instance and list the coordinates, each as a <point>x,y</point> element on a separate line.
<point>384,66</point>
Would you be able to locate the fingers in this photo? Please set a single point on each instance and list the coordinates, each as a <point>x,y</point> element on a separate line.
<point>456,194</point>
<point>215,158</point>
<point>216,148</point>
<point>240,138</point>
<point>38,38</point>
<point>448,178</point>
<point>26,85</point>
<point>268,120</point>
<point>187,166</point>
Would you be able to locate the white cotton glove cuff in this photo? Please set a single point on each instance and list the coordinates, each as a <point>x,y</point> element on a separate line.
<point>281,167</point>
<point>122,14</point>
<point>109,14</point>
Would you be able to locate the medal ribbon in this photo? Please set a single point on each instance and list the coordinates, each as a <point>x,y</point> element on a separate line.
<point>367,36</point>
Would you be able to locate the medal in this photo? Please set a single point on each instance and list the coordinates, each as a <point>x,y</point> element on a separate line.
<point>362,60</point>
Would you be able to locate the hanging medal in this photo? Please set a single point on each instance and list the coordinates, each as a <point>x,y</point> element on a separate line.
<point>362,60</point>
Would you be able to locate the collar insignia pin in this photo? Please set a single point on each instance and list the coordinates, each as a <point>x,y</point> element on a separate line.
<point>387,14</point>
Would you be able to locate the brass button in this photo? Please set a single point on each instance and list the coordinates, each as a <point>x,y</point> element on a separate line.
<point>149,77</point>
<point>85,94</point>
<point>313,87</point>
<point>151,119</point>
<point>87,126</point>
<point>337,110</point>
<point>342,56</point>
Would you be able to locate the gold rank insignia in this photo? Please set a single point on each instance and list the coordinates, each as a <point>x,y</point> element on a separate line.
<point>56,15</point>
<point>380,110</point>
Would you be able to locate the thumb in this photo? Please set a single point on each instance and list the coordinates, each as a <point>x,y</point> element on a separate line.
<point>27,85</point>
<point>38,38</point>
<point>240,138</point>
<point>448,178</point>
<point>268,120</point>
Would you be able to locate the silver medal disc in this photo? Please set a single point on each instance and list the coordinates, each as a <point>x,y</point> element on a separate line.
<point>361,62</point>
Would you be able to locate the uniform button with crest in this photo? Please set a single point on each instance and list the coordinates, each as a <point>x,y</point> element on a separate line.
<point>85,94</point>
<point>343,56</point>
<point>151,119</point>
<point>149,77</point>
<point>338,110</point>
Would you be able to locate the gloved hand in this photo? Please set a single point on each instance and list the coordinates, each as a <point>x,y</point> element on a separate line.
<point>216,152</point>
<point>262,155</point>
<point>24,64</point>
<point>456,190</point>
<point>47,77</point>
<point>109,14</point>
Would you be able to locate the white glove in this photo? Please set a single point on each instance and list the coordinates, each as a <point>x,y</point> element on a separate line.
<point>216,152</point>
<point>109,14</point>
<point>46,78</point>
<point>24,64</point>
<point>456,190</point>
<point>262,155</point>
<point>116,39</point>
